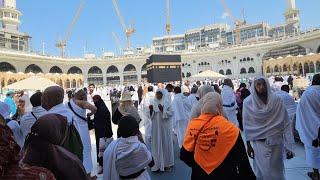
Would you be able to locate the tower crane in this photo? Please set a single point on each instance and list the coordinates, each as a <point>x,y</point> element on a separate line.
<point>238,23</point>
<point>63,43</point>
<point>128,30</point>
<point>168,24</point>
<point>117,41</point>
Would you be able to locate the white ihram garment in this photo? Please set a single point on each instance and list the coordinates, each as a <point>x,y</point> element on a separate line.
<point>84,135</point>
<point>267,127</point>
<point>161,135</point>
<point>308,123</point>
<point>17,133</point>
<point>229,104</point>
<point>129,152</point>
<point>193,99</point>
<point>182,109</point>
<point>28,120</point>
<point>146,101</point>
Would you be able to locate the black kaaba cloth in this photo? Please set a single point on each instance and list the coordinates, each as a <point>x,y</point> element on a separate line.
<point>163,68</point>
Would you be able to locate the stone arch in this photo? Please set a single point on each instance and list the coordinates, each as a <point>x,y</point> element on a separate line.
<point>293,50</point>
<point>129,68</point>
<point>276,68</point>
<point>268,70</point>
<point>113,80</point>
<point>73,83</point>
<point>221,71</point>
<point>285,68</point>
<point>300,68</point>
<point>243,71</point>
<point>2,83</point>
<point>318,66</point>
<point>55,69</point>
<point>80,83</point>
<point>228,72</point>
<point>144,67</point>
<point>295,67</point>
<point>67,83</point>
<point>129,74</point>
<point>59,82</point>
<point>5,67</point>
<point>74,70</point>
<point>306,67</point>
<point>144,74</point>
<point>251,70</point>
<point>112,69</point>
<point>311,67</point>
<point>11,81</point>
<point>95,70</point>
<point>95,76</point>
<point>33,68</point>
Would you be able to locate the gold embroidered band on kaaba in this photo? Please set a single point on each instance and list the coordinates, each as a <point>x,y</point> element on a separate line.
<point>164,65</point>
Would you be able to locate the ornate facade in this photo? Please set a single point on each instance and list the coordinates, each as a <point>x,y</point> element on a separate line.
<point>63,80</point>
<point>292,65</point>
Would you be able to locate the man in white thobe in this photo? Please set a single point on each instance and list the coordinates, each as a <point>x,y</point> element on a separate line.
<point>182,109</point>
<point>289,103</point>
<point>146,102</point>
<point>308,124</point>
<point>78,105</point>
<point>229,102</point>
<point>30,118</point>
<point>193,97</point>
<point>161,133</point>
<point>266,128</point>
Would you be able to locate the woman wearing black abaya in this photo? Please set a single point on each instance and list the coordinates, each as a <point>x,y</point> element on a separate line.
<point>102,122</point>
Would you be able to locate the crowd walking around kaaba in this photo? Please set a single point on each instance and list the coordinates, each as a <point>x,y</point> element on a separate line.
<point>217,125</point>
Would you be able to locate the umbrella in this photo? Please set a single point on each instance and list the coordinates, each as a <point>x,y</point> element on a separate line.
<point>32,83</point>
<point>209,74</point>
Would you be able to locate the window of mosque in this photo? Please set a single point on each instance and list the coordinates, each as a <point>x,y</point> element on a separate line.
<point>268,69</point>
<point>285,69</point>
<point>243,71</point>
<point>221,72</point>
<point>188,74</point>
<point>228,72</point>
<point>5,67</point>
<point>251,70</point>
<point>311,67</point>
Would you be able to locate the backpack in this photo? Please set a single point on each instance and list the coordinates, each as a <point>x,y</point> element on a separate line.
<point>72,141</point>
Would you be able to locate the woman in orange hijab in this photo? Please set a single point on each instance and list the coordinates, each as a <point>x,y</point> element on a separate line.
<point>213,146</point>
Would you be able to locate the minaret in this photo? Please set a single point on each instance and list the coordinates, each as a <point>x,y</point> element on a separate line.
<point>9,15</point>
<point>292,13</point>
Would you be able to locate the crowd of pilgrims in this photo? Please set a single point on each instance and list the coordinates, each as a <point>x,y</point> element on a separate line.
<point>46,137</point>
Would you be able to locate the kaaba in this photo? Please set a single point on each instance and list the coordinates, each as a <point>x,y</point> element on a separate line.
<point>163,68</point>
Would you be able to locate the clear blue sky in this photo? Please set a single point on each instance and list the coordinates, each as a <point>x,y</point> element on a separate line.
<point>46,21</point>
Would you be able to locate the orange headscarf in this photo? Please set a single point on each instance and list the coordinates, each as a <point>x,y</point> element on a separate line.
<point>211,138</point>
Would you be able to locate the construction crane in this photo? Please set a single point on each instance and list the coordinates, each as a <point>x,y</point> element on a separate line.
<point>117,41</point>
<point>63,43</point>
<point>168,24</point>
<point>128,30</point>
<point>238,23</point>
